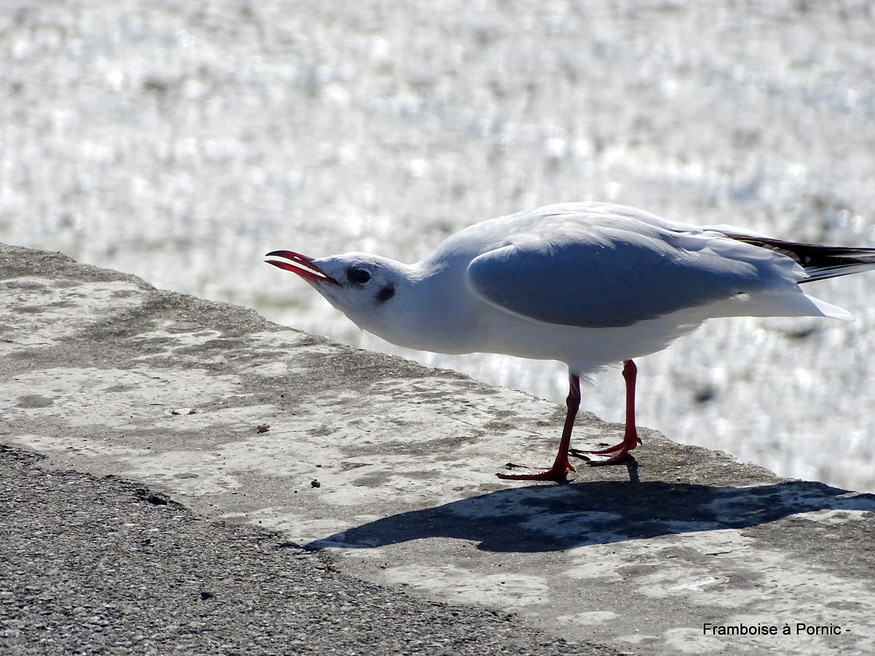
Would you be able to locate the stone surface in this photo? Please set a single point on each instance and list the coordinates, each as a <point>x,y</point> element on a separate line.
<point>387,468</point>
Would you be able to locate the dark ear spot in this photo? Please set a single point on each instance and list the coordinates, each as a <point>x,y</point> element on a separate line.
<point>386,292</point>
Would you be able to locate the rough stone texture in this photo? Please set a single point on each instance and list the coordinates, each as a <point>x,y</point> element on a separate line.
<point>104,566</point>
<point>386,469</point>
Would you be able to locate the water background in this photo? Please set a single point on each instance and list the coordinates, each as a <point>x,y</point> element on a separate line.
<point>181,141</point>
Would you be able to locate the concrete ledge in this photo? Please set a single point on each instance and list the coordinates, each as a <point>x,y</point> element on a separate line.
<point>389,466</point>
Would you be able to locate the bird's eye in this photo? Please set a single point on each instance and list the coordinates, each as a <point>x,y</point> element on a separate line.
<point>358,276</point>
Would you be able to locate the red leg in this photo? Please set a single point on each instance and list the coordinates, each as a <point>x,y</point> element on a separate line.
<point>561,466</point>
<point>618,452</point>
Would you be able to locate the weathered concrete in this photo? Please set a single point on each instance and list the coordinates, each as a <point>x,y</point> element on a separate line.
<point>99,565</point>
<point>390,466</point>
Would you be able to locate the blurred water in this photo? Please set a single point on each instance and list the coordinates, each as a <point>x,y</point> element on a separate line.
<point>180,141</point>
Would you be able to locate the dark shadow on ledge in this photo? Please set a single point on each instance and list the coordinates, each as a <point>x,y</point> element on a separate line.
<point>551,518</point>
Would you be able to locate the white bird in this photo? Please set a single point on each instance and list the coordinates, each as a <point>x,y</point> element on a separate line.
<point>588,284</point>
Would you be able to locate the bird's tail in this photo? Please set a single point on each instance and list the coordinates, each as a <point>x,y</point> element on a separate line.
<point>819,262</point>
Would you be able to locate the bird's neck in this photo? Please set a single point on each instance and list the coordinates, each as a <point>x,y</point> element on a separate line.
<point>432,312</point>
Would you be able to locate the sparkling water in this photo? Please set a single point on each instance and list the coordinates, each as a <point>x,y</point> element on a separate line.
<point>181,141</point>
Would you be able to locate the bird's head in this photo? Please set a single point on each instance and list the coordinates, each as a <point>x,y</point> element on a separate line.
<point>361,286</point>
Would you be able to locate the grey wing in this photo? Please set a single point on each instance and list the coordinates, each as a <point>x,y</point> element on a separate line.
<point>608,277</point>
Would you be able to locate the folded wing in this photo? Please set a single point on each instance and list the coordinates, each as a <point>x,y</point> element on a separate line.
<point>601,276</point>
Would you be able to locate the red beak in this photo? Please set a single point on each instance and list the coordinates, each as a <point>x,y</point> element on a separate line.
<point>300,264</point>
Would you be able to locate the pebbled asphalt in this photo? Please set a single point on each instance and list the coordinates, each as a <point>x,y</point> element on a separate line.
<point>99,565</point>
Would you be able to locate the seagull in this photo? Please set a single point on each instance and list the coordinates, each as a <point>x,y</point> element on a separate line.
<point>589,284</point>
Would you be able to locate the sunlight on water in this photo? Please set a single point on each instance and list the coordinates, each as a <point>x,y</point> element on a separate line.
<point>181,141</point>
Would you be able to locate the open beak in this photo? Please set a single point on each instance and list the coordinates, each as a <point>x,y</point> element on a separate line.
<point>300,264</point>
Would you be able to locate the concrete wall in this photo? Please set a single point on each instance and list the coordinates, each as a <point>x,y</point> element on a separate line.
<point>389,467</point>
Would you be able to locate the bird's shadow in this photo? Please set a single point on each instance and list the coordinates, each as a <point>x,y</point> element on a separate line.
<point>550,518</point>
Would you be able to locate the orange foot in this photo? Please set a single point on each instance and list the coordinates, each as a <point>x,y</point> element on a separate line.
<point>525,473</point>
<point>608,456</point>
